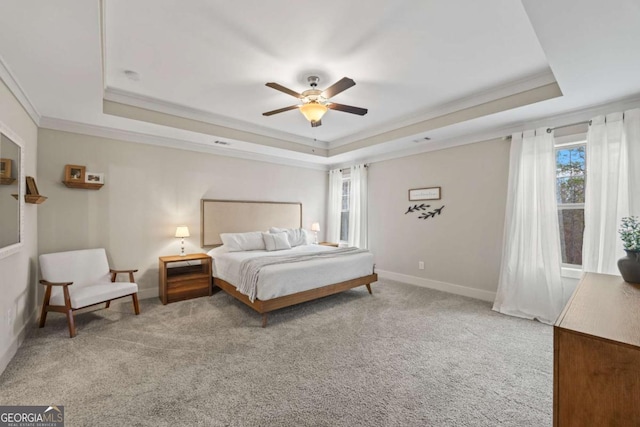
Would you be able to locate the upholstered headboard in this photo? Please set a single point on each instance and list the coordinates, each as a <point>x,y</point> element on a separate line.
<point>237,216</point>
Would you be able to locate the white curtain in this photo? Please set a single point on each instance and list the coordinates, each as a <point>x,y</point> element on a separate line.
<point>335,206</point>
<point>358,207</point>
<point>530,284</point>
<point>613,186</point>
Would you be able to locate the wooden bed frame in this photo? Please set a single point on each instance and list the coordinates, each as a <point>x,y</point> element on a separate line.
<point>264,307</point>
<point>237,216</point>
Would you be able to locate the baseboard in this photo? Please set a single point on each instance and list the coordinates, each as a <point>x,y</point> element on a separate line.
<point>147,293</point>
<point>17,342</point>
<point>440,286</point>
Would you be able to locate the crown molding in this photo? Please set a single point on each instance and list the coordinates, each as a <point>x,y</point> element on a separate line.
<point>569,117</point>
<point>532,88</point>
<point>162,141</point>
<point>154,104</point>
<point>16,89</point>
<point>525,84</point>
<point>581,114</point>
<point>500,105</point>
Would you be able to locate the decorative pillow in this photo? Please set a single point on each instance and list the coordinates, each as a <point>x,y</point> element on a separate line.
<point>297,236</point>
<point>309,237</point>
<point>236,242</point>
<point>276,241</point>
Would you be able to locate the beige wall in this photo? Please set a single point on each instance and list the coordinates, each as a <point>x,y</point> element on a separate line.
<point>461,248</point>
<point>18,271</point>
<point>150,190</point>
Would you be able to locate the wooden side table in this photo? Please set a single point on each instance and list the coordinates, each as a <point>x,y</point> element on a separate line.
<point>182,282</point>
<point>335,245</point>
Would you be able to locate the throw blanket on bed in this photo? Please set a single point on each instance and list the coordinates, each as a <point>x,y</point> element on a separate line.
<point>250,268</point>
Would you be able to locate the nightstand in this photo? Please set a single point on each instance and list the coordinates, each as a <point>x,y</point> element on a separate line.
<point>335,245</point>
<point>189,277</point>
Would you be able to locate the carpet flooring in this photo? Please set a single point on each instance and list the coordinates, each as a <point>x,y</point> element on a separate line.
<point>406,356</point>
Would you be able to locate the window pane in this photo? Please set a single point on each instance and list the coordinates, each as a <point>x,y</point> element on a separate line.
<point>570,175</point>
<point>345,194</point>
<point>344,217</point>
<point>570,189</point>
<point>344,226</point>
<point>571,232</point>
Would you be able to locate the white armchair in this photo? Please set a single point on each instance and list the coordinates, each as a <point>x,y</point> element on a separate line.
<point>78,279</point>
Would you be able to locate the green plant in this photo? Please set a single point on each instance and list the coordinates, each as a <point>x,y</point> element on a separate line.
<point>630,233</point>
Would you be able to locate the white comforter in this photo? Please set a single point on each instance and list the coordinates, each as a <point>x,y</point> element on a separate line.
<point>284,279</point>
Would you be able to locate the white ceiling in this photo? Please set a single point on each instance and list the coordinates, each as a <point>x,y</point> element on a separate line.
<point>413,62</point>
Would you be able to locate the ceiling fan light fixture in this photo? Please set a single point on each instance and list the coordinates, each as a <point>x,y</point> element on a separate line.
<point>313,111</point>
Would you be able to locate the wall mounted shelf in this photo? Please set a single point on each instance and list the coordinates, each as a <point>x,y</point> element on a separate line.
<point>83,185</point>
<point>7,181</point>
<point>33,195</point>
<point>35,199</point>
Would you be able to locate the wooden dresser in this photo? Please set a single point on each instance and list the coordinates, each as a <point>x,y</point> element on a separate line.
<point>596,375</point>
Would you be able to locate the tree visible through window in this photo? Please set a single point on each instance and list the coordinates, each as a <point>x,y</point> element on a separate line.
<point>570,189</point>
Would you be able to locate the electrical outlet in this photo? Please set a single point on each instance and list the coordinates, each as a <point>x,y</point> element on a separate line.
<point>421,265</point>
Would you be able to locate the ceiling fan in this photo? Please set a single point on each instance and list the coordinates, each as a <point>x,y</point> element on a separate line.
<point>316,102</point>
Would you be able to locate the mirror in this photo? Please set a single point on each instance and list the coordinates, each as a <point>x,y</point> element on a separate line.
<point>11,192</point>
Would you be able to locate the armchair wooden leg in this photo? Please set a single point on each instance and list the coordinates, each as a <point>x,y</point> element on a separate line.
<point>45,304</point>
<point>69,312</point>
<point>136,306</point>
<point>368,285</point>
<point>72,325</point>
<point>108,304</point>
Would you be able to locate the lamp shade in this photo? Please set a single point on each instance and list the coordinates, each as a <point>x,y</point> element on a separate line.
<point>313,111</point>
<point>315,226</point>
<point>182,231</point>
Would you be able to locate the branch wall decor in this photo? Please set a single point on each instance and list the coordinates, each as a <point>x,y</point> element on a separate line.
<point>423,207</point>
<point>431,214</point>
<point>416,208</point>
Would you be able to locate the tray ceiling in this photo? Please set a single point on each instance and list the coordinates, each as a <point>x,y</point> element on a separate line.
<point>195,71</point>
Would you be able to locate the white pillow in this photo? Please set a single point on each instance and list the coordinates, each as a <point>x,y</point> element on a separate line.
<point>276,241</point>
<point>236,242</point>
<point>297,236</point>
<point>218,251</point>
<point>310,237</point>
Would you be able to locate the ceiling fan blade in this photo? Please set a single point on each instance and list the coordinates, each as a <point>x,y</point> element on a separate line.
<point>341,85</point>
<point>348,109</point>
<point>280,110</point>
<point>316,123</point>
<point>288,91</point>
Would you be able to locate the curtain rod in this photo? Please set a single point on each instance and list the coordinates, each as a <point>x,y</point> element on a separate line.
<point>366,165</point>
<point>549,130</point>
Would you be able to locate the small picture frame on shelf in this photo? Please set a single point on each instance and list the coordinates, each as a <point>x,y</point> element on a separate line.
<point>94,178</point>
<point>430,193</point>
<point>74,173</point>
<point>5,168</point>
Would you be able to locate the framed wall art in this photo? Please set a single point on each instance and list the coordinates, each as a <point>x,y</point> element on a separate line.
<point>428,193</point>
<point>94,178</point>
<point>74,173</point>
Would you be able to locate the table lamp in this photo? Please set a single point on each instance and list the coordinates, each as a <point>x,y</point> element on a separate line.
<point>315,227</point>
<point>182,232</point>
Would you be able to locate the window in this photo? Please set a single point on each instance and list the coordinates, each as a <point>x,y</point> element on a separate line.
<point>344,215</point>
<point>570,189</point>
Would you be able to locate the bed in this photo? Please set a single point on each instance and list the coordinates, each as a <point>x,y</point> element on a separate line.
<point>323,270</point>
